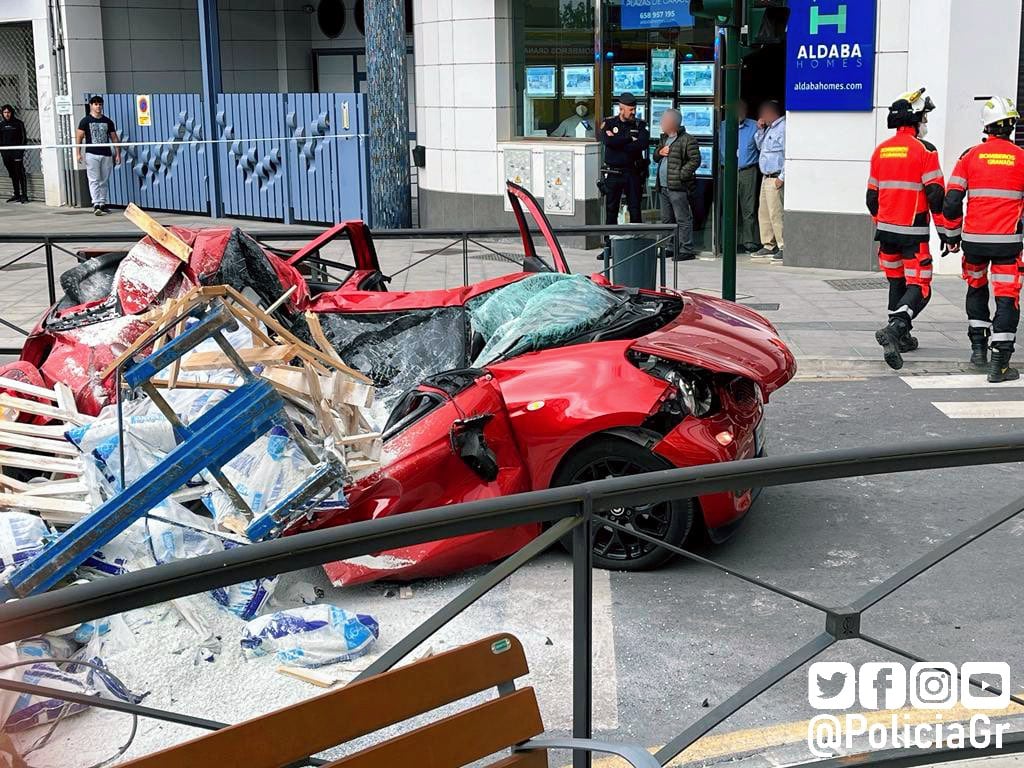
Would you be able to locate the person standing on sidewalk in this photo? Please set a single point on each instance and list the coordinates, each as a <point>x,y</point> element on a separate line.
<point>97,129</point>
<point>678,158</point>
<point>625,138</point>
<point>747,157</point>
<point>771,143</point>
<point>991,176</point>
<point>12,134</point>
<point>905,184</point>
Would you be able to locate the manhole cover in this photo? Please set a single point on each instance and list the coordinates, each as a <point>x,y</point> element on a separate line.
<point>859,284</point>
<point>770,307</point>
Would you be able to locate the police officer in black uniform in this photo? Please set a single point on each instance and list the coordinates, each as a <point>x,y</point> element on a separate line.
<point>625,139</point>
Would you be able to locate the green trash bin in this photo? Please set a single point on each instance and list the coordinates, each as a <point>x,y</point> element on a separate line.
<point>634,261</point>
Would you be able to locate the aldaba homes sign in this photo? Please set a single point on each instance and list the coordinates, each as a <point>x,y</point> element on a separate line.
<point>830,55</point>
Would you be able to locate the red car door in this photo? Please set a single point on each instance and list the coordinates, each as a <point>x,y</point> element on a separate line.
<point>448,441</point>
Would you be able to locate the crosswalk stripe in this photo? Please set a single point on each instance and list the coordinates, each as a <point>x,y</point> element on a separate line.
<point>999,409</point>
<point>958,381</point>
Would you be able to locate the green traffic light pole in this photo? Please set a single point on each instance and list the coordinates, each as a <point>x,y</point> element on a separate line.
<point>730,176</point>
<point>730,15</point>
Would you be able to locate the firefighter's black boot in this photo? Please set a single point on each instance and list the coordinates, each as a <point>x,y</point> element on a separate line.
<point>889,338</point>
<point>999,367</point>
<point>908,343</point>
<point>979,347</point>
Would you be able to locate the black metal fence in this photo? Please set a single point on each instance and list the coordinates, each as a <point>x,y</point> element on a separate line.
<point>457,241</point>
<point>576,509</point>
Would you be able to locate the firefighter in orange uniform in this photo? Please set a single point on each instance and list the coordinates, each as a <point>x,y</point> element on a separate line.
<point>991,176</point>
<point>905,191</point>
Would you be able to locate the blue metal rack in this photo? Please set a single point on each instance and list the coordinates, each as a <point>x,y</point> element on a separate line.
<point>208,444</point>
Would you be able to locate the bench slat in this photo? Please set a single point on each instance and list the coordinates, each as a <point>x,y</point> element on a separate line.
<point>290,734</point>
<point>455,741</point>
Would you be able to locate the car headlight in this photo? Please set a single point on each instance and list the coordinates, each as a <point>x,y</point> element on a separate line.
<point>693,386</point>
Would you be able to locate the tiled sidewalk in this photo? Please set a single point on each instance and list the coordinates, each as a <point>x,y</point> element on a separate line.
<point>831,331</point>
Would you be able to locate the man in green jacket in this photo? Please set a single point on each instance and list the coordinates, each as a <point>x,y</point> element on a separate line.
<point>678,158</point>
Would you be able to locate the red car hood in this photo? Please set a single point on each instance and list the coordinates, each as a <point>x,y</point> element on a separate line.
<point>723,337</point>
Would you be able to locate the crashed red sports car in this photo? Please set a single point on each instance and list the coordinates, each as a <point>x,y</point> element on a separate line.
<point>531,380</point>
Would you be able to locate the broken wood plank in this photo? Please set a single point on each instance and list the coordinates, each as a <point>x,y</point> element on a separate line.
<point>9,482</point>
<point>71,486</point>
<point>311,676</point>
<point>44,503</point>
<point>25,388</point>
<point>320,338</point>
<point>181,306</point>
<point>40,444</point>
<point>158,232</point>
<point>65,397</point>
<point>215,359</point>
<point>40,462</point>
<point>281,300</point>
<point>39,409</point>
<point>27,428</point>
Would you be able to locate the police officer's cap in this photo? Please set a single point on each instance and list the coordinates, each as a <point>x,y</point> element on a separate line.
<point>627,99</point>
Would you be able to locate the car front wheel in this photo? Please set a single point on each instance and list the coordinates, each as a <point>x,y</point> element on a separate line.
<point>668,521</point>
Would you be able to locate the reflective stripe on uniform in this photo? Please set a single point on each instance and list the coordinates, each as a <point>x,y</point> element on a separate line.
<point>954,232</point>
<point>979,323</point>
<point>997,277</point>
<point>931,175</point>
<point>973,238</point>
<point>1002,337</point>
<point>975,273</point>
<point>910,272</point>
<point>958,180</point>
<point>911,185</point>
<point>872,182</point>
<point>902,230</point>
<point>903,310</point>
<point>890,264</point>
<point>1005,194</point>
<point>924,273</point>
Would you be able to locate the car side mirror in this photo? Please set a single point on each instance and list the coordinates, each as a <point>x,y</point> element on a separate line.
<point>468,443</point>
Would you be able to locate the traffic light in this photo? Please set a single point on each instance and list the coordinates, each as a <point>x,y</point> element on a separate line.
<point>719,10</point>
<point>765,21</point>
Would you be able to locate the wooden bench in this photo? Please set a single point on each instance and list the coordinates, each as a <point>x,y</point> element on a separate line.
<point>510,721</point>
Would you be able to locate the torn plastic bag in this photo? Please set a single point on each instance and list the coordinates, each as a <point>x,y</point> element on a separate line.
<point>30,711</point>
<point>247,599</point>
<point>399,349</point>
<point>22,537</point>
<point>550,316</point>
<point>311,636</point>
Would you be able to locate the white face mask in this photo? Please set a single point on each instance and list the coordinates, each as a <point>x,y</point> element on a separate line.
<point>581,111</point>
<point>922,130</point>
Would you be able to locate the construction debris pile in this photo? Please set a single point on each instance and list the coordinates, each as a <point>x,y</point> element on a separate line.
<point>226,428</point>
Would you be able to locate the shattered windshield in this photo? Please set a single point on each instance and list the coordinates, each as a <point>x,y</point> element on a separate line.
<point>537,312</point>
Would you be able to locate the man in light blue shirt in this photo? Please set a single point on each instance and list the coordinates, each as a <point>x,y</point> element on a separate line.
<point>747,155</point>
<point>771,142</point>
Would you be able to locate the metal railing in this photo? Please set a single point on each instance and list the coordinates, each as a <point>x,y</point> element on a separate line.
<point>666,240</point>
<point>576,509</point>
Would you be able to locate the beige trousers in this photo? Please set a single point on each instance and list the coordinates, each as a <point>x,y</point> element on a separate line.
<point>769,213</point>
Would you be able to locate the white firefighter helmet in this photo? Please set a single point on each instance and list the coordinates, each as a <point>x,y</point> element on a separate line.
<point>999,112</point>
<point>910,109</point>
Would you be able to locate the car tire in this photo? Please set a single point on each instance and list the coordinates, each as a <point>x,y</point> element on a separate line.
<point>672,521</point>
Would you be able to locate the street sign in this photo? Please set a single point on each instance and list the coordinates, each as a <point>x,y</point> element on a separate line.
<point>655,14</point>
<point>63,105</point>
<point>830,55</point>
<point>142,104</point>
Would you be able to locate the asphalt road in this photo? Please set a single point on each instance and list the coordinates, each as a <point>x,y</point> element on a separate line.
<point>672,644</point>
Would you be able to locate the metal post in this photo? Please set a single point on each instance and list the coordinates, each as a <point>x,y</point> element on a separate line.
<point>50,286</point>
<point>583,631</point>
<point>730,177</point>
<point>209,52</point>
<point>465,258</point>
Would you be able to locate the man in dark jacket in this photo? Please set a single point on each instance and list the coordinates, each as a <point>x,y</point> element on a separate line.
<point>678,158</point>
<point>12,134</point>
